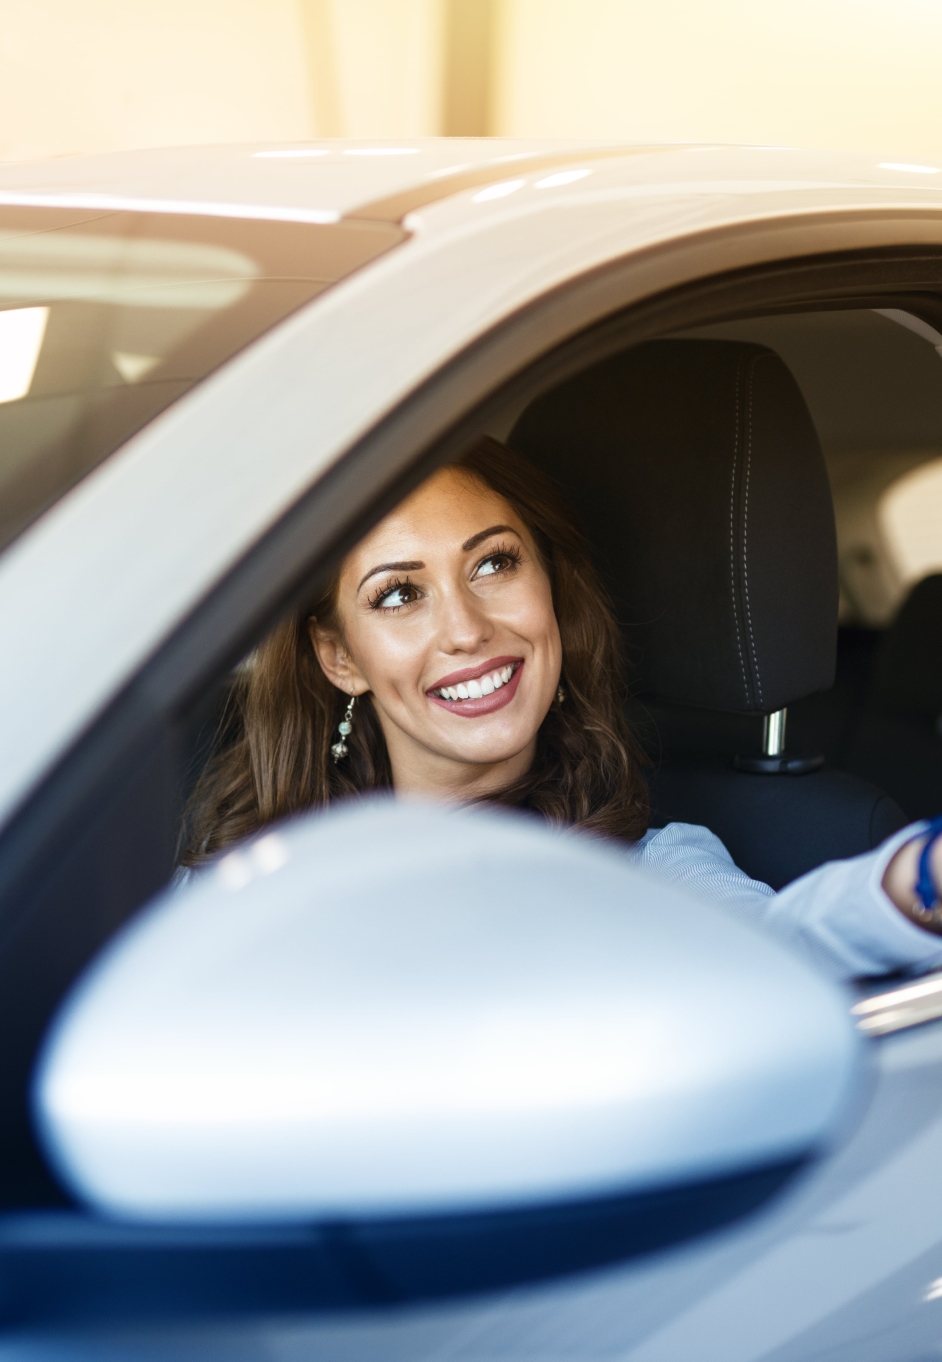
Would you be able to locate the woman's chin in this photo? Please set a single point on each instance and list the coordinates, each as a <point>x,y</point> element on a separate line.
<point>487,743</point>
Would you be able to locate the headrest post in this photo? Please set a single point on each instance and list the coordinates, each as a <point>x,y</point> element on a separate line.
<point>775,761</point>
<point>773,733</point>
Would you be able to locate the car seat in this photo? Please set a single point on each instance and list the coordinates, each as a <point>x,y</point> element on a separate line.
<point>698,475</point>
<point>898,741</point>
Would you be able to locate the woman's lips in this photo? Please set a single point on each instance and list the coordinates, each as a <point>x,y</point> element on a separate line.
<point>475,673</point>
<point>487,704</point>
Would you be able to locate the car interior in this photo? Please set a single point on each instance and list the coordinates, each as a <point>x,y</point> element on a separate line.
<point>806,448</point>
<point>871,381</point>
<point>836,420</point>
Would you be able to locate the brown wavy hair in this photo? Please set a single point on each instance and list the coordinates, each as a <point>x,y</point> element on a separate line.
<point>273,749</point>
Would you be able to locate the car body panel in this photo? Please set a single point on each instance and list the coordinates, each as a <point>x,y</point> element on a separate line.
<point>185,498</point>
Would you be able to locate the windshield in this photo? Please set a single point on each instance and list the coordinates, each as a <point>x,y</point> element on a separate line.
<point>107,318</point>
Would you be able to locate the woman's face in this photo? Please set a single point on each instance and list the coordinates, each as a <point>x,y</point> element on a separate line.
<point>448,621</point>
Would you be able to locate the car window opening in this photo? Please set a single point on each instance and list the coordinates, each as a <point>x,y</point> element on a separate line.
<point>874,390</point>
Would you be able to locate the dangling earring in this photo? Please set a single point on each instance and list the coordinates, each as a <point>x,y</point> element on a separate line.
<point>344,728</point>
<point>560,695</point>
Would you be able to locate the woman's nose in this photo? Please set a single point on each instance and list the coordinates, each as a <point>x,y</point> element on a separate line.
<point>463,622</point>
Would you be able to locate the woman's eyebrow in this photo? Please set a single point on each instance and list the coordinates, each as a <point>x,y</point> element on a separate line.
<point>391,567</point>
<point>476,539</point>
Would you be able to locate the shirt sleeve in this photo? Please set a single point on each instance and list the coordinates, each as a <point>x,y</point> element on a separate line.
<point>839,914</point>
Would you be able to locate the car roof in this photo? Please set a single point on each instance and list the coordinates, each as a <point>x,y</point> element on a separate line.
<point>322,181</point>
<point>309,181</point>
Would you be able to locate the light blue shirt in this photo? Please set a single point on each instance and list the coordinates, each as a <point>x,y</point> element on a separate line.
<point>839,914</point>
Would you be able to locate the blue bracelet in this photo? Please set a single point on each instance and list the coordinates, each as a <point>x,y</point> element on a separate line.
<point>926,893</point>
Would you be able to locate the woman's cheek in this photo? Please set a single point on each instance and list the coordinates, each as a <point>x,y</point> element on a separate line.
<point>537,615</point>
<point>397,657</point>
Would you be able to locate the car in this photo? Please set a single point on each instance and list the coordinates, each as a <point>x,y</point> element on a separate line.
<point>218,368</point>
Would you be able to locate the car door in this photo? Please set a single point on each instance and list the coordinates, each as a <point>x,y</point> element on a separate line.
<point>112,779</point>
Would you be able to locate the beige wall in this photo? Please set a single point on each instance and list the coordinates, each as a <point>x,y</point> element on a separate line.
<point>861,74</point>
<point>89,75</point>
<point>95,75</point>
<point>387,58</point>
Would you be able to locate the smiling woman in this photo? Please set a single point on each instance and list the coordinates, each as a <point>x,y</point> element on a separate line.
<point>473,633</point>
<point>483,599</point>
<point>466,650</point>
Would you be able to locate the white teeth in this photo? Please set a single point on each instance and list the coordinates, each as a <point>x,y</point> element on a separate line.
<point>474,690</point>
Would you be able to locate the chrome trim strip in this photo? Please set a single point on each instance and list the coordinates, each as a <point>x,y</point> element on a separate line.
<point>899,1008</point>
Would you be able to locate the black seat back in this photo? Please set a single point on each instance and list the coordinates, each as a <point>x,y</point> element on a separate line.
<point>776,828</point>
<point>697,472</point>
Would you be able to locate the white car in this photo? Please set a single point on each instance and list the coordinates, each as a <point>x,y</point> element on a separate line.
<point>219,367</point>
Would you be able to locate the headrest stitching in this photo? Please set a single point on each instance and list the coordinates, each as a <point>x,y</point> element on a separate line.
<point>753,362</point>
<point>732,535</point>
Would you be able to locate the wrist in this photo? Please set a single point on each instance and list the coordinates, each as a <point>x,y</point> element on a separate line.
<point>913,879</point>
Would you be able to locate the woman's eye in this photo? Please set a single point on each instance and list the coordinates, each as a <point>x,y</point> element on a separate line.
<point>398,596</point>
<point>498,562</point>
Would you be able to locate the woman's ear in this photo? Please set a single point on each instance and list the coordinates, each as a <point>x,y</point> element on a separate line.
<point>335,661</point>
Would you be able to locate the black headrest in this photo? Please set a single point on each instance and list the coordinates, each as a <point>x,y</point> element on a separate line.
<point>697,473</point>
<point>908,675</point>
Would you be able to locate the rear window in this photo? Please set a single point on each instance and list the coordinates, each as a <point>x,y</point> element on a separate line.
<point>108,318</point>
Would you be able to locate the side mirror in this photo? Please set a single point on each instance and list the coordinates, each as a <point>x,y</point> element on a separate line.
<point>436,1051</point>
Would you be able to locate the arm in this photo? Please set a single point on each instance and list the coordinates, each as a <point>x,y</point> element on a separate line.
<point>840,915</point>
